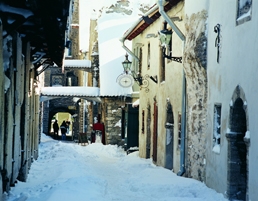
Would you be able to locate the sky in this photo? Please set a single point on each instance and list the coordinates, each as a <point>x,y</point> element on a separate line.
<point>67,171</point>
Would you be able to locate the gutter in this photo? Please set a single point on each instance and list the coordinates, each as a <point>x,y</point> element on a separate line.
<point>181,172</point>
<point>154,8</point>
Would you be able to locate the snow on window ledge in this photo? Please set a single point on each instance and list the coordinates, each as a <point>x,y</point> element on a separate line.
<point>244,18</point>
<point>247,135</point>
<point>216,149</point>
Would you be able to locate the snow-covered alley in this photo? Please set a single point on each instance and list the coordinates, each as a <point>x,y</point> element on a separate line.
<point>68,171</point>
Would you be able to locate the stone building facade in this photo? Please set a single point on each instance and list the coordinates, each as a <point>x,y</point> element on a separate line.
<point>160,108</point>
<point>111,115</point>
<point>195,64</point>
<point>112,103</point>
<point>76,107</point>
<point>25,52</point>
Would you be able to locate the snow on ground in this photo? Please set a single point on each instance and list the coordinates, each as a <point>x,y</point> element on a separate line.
<point>67,171</point>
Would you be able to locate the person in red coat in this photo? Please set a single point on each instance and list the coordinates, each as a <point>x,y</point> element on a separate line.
<point>101,127</point>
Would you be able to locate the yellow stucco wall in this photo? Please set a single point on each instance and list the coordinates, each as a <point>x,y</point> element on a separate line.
<point>169,90</point>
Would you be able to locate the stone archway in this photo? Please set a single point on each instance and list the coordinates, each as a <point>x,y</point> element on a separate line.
<point>237,148</point>
<point>64,112</point>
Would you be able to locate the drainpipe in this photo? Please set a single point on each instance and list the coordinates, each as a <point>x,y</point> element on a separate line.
<point>169,21</point>
<point>181,172</point>
<point>183,128</point>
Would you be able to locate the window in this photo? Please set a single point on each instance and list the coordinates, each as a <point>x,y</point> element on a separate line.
<point>137,64</point>
<point>216,125</point>
<point>140,62</point>
<point>179,129</point>
<point>134,64</point>
<point>143,122</point>
<point>148,58</point>
<point>244,9</point>
<point>57,80</point>
<point>162,65</point>
<point>169,50</point>
<point>69,81</point>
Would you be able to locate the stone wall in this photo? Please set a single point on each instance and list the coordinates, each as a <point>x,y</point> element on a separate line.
<point>111,114</point>
<point>195,61</point>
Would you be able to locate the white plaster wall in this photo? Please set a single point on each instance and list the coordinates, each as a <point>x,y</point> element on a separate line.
<point>170,89</point>
<point>238,66</point>
<point>192,7</point>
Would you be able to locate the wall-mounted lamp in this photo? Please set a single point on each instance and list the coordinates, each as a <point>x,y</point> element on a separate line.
<point>165,37</point>
<point>138,78</point>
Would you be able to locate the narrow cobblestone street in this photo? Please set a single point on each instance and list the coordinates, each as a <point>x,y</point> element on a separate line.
<point>68,171</point>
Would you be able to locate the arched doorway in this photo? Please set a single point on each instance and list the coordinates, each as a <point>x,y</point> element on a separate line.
<point>63,114</point>
<point>169,137</point>
<point>148,137</point>
<point>60,117</point>
<point>237,148</point>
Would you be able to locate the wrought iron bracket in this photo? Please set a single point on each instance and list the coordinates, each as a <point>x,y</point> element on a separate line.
<point>143,82</point>
<point>177,59</point>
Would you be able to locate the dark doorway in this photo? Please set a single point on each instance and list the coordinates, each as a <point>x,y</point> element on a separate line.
<point>169,137</point>
<point>155,133</point>
<point>237,153</point>
<point>132,126</point>
<point>148,137</point>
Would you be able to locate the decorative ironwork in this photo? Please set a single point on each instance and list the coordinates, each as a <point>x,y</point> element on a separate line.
<point>165,37</point>
<point>138,78</point>
<point>217,40</point>
<point>142,81</point>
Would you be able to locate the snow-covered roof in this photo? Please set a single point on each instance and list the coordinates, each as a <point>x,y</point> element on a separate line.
<point>111,54</point>
<point>74,63</point>
<point>88,93</point>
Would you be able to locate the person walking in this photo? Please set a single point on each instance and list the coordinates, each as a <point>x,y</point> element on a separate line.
<point>63,130</point>
<point>56,129</point>
<point>68,125</point>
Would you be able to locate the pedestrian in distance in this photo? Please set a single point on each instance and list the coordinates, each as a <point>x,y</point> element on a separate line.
<point>63,130</point>
<point>56,129</point>
<point>67,125</point>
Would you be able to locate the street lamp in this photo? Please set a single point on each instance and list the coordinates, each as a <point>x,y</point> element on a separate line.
<point>127,64</point>
<point>165,37</point>
<point>141,80</point>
